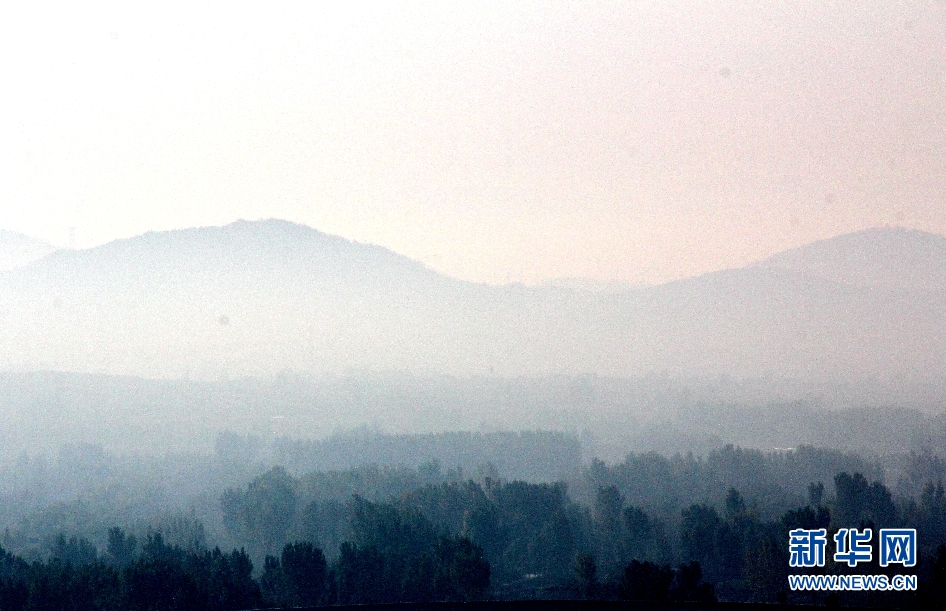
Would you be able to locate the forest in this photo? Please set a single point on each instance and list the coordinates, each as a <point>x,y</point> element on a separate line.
<point>652,527</point>
<point>479,306</point>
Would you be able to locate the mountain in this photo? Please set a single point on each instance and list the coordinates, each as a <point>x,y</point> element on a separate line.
<point>17,250</point>
<point>248,298</point>
<point>590,284</point>
<point>888,257</point>
<point>256,298</point>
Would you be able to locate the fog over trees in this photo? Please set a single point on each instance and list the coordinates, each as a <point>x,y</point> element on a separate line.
<point>264,415</point>
<point>652,527</point>
<point>157,343</point>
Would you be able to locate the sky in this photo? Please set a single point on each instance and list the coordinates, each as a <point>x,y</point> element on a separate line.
<point>496,142</point>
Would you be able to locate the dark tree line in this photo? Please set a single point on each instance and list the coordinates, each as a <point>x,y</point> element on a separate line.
<point>540,543</point>
<point>411,567</point>
<point>159,577</point>
<point>641,536</point>
<point>522,528</point>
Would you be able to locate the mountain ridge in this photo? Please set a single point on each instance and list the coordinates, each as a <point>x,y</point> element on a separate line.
<point>233,237</point>
<point>841,249</point>
<point>883,257</point>
<point>257,297</point>
<point>18,250</point>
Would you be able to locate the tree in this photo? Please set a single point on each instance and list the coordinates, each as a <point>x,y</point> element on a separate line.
<point>264,512</point>
<point>765,570</point>
<point>807,518</point>
<point>645,536</point>
<point>305,569</point>
<point>609,525</point>
<point>689,585</point>
<point>463,572</point>
<point>735,505</point>
<point>861,503</point>
<point>75,551</point>
<point>120,547</point>
<point>360,574</point>
<point>646,581</point>
<point>710,541</point>
<point>700,528</point>
<point>272,582</point>
<point>815,494</point>
<point>587,572</point>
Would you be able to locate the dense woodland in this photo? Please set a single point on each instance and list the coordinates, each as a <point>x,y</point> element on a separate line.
<point>651,527</point>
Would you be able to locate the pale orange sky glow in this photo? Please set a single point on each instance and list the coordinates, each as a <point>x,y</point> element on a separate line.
<point>495,142</point>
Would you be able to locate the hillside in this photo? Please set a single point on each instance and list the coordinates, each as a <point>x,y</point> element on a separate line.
<point>257,298</point>
<point>17,250</point>
<point>887,257</point>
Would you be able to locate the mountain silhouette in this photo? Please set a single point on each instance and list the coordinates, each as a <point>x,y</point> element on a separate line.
<point>17,250</point>
<point>256,298</point>
<point>888,257</point>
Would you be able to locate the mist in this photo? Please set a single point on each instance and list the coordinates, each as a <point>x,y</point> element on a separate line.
<point>368,304</point>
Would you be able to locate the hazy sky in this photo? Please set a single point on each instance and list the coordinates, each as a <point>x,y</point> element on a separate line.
<point>498,142</point>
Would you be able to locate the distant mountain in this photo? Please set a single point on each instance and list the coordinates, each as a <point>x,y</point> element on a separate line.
<point>247,298</point>
<point>590,284</point>
<point>888,257</point>
<point>17,250</point>
<point>256,298</point>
